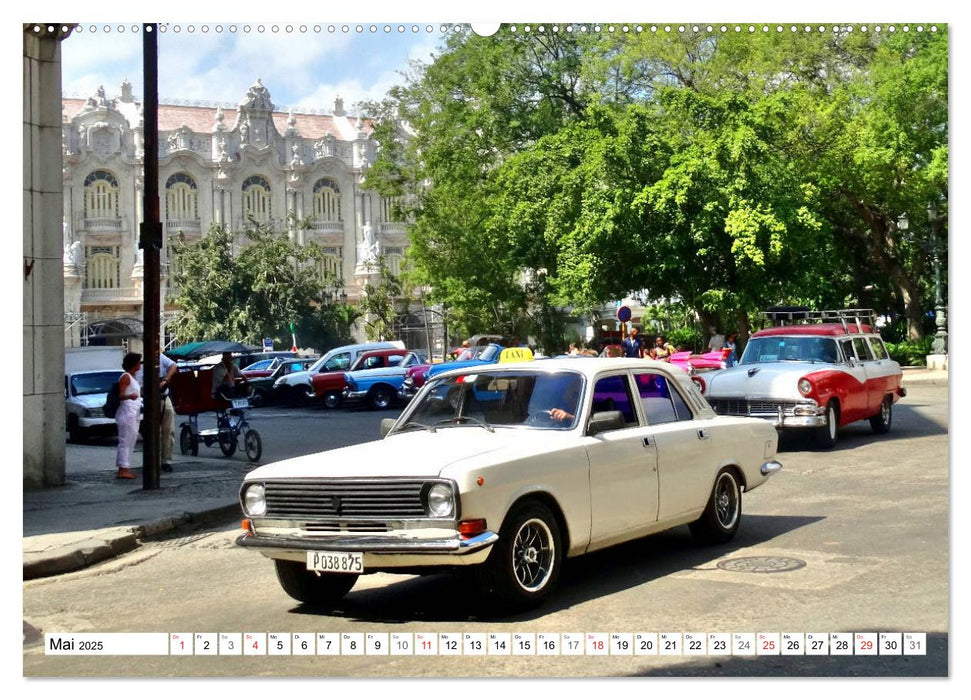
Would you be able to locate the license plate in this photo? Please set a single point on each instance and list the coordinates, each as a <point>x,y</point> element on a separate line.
<point>336,562</point>
<point>240,403</point>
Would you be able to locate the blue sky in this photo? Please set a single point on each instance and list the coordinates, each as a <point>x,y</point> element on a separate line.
<point>305,67</point>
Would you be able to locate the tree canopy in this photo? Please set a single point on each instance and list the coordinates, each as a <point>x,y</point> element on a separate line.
<point>729,171</point>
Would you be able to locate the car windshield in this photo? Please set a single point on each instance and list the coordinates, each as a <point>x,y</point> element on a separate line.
<point>261,365</point>
<point>542,400</point>
<point>93,382</point>
<point>489,353</point>
<point>781,348</point>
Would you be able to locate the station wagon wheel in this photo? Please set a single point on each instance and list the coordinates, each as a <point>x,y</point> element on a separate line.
<point>253,445</point>
<point>380,397</point>
<point>188,441</point>
<point>880,423</point>
<point>311,588</point>
<point>826,434</point>
<point>524,565</point>
<point>722,515</point>
<point>332,399</point>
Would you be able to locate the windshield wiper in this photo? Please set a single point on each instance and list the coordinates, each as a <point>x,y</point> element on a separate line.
<point>466,419</point>
<point>416,424</point>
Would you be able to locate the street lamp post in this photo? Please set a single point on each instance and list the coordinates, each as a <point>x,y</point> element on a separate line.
<point>939,346</point>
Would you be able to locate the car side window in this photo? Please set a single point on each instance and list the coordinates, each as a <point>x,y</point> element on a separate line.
<point>847,346</point>
<point>879,349</point>
<point>862,349</point>
<point>613,394</point>
<point>338,362</point>
<point>660,401</point>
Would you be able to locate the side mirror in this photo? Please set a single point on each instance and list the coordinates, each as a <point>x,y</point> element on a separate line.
<point>852,362</point>
<point>605,420</point>
<point>386,425</point>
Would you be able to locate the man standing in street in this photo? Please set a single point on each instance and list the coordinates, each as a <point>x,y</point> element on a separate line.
<point>632,345</point>
<point>167,369</point>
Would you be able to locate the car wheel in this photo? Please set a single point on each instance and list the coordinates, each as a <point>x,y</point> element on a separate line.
<point>524,565</point>
<point>257,398</point>
<point>309,586</point>
<point>188,442</point>
<point>880,423</point>
<point>332,399</point>
<point>723,514</point>
<point>253,445</point>
<point>826,435</point>
<point>380,397</point>
<point>74,432</point>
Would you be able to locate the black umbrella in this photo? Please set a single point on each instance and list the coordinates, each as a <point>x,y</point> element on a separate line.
<point>202,348</point>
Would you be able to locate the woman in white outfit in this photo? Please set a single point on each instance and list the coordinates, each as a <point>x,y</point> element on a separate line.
<point>129,414</point>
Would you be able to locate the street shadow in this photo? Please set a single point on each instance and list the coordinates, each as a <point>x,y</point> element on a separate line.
<point>933,662</point>
<point>907,423</point>
<point>453,597</point>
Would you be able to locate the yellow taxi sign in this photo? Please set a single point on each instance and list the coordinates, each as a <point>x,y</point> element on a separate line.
<point>516,355</point>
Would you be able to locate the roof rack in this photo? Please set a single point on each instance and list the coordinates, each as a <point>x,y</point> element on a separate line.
<point>788,315</point>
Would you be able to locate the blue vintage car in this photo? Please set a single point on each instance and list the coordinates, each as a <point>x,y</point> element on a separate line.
<point>489,355</point>
<point>378,388</point>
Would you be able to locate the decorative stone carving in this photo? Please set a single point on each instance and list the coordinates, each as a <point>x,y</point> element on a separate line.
<point>338,107</point>
<point>219,126</point>
<point>73,257</point>
<point>368,251</point>
<point>257,98</point>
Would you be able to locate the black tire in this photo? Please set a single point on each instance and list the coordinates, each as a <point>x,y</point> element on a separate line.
<point>880,423</point>
<point>188,442</point>
<point>310,587</point>
<point>227,442</point>
<point>380,397</point>
<point>524,566</point>
<point>825,436</point>
<point>253,445</point>
<point>723,514</point>
<point>74,432</point>
<point>332,399</point>
<point>257,399</point>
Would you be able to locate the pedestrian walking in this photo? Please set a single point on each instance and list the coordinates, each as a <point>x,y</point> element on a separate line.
<point>128,415</point>
<point>167,369</point>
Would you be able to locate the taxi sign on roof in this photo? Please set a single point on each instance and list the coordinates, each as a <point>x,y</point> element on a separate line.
<point>516,355</point>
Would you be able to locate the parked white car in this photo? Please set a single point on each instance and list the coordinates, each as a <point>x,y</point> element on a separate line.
<point>509,469</point>
<point>85,394</point>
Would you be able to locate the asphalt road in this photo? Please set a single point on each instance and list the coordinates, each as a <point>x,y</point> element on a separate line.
<point>866,525</point>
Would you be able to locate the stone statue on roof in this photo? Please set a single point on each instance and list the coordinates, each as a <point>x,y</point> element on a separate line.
<point>257,98</point>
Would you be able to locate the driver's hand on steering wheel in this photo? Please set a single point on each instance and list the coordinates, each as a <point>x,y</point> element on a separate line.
<point>559,414</point>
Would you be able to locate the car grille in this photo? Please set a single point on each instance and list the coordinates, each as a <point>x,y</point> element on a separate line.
<point>340,498</point>
<point>752,407</point>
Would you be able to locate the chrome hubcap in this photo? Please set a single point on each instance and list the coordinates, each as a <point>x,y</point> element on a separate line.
<point>726,501</point>
<point>532,555</point>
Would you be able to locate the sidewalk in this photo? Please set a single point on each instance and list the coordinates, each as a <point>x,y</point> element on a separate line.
<point>921,375</point>
<point>95,516</point>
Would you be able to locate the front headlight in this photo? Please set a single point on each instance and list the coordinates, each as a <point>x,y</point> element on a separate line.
<point>254,500</point>
<point>805,386</point>
<point>440,501</point>
<point>94,412</point>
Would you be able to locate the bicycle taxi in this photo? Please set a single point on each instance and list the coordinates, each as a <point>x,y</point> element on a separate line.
<point>191,395</point>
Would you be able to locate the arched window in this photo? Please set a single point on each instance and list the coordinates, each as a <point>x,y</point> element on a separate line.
<point>181,198</point>
<point>256,199</point>
<point>100,196</point>
<point>327,201</point>
<point>103,269</point>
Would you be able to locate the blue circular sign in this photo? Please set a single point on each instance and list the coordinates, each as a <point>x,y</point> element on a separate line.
<point>623,314</point>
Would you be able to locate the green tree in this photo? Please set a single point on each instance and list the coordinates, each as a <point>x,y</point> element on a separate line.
<point>247,286</point>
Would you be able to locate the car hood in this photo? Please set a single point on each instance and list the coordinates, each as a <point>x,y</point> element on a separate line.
<point>90,400</point>
<point>408,454</point>
<point>775,380</point>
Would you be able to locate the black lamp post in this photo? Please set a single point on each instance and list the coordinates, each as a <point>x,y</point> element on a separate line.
<point>939,346</point>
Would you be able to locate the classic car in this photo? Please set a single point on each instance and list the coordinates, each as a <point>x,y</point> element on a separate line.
<point>378,388</point>
<point>329,386</point>
<point>298,385</point>
<point>692,363</point>
<point>415,376</point>
<point>85,393</point>
<point>819,375</point>
<point>262,376</point>
<point>504,471</point>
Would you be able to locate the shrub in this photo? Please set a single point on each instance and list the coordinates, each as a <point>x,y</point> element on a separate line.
<point>910,352</point>
<point>688,338</point>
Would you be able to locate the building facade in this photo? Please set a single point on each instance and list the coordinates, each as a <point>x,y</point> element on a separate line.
<point>217,165</point>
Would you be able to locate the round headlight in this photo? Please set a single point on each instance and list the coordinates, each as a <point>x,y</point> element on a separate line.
<point>441,502</point>
<point>254,500</point>
<point>805,386</point>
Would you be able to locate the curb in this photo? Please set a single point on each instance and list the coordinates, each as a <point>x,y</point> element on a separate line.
<point>87,553</point>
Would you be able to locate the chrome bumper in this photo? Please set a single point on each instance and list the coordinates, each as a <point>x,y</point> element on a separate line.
<point>379,552</point>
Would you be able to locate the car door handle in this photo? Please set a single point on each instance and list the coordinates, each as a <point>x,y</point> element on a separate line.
<point>703,434</point>
<point>648,441</point>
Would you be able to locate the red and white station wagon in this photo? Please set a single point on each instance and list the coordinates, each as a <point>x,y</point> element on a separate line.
<point>826,370</point>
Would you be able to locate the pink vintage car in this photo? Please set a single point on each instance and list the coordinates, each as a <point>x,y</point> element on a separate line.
<point>716,359</point>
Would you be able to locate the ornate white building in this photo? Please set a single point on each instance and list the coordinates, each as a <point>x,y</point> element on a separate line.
<point>216,165</point>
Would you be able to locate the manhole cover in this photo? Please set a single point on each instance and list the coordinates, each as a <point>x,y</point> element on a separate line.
<point>761,565</point>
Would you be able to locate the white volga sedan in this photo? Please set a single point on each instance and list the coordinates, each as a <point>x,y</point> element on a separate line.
<point>508,469</point>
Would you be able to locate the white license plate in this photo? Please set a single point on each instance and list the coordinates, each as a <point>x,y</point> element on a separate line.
<point>240,403</point>
<point>336,562</point>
